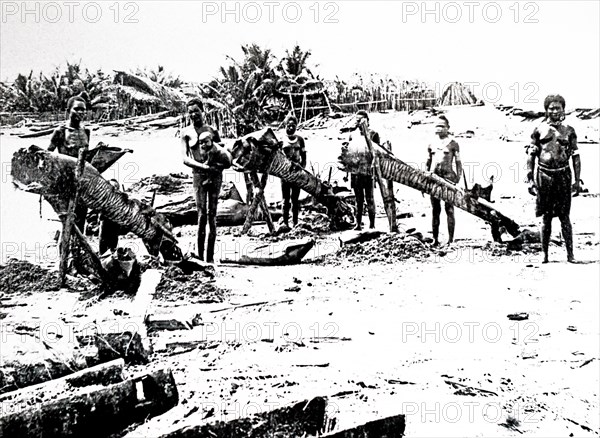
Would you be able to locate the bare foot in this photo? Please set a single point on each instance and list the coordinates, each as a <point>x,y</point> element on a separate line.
<point>435,243</point>
<point>545,260</point>
<point>358,227</point>
<point>571,259</point>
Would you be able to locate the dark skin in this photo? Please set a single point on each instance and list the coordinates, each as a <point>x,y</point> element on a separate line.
<point>77,115</point>
<point>197,159</point>
<point>363,194</point>
<point>441,130</point>
<point>552,157</point>
<point>195,114</point>
<point>290,193</point>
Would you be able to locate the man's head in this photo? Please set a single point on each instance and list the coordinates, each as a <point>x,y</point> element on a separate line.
<point>76,108</point>
<point>291,124</point>
<point>206,140</point>
<point>195,109</point>
<point>554,105</point>
<point>362,117</point>
<point>441,126</point>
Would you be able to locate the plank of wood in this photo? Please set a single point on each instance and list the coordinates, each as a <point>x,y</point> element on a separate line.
<point>94,411</point>
<point>103,374</point>
<point>305,418</point>
<point>390,427</point>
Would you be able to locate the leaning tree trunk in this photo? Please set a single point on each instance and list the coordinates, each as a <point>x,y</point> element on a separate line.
<point>396,170</point>
<point>261,152</point>
<point>53,175</point>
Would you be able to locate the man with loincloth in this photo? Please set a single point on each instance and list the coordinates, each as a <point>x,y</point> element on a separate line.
<point>441,155</point>
<point>294,150</point>
<point>207,159</point>
<point>362,184</point>
<point>553,144</point>
<point>69,139</point>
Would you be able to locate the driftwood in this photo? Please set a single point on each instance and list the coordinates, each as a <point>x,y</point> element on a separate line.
<point>390,427</point>
<point>290,255</point>
<point>104,374</point>
<point>302,419</point>
<point>392,168</point>
<point>94,411</point>
<point>35,134</point>
<point>52,175</point>
<point>261,152</point>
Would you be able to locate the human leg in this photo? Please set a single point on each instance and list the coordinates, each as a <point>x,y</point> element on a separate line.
<point>451,221</point>
<point>286,194</point>
<point>295,194</point>
<point>435,219</point>
<point>213,199</point>
<point>370,202</point>
<point>201,196</point>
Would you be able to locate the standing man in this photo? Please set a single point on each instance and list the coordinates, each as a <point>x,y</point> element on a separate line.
<point>553,144</point>
<point>207,160</point>
<point>442,153</point>
<point>69,139</point>
<point>362,183</point>
<point>294,150</point>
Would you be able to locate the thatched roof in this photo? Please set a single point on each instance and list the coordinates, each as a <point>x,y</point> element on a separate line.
<point>457,94</point>
<point>144,89</point>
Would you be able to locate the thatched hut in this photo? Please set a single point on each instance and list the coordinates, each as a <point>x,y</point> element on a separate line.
<point>456,93</point>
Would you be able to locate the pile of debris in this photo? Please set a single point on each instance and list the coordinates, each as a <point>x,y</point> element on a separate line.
<point>388,248</point>
<point>22,276</point>
<point>161,184</point>
<point>193,288</point>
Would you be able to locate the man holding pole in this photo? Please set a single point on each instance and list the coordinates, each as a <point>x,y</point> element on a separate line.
<point>72,140</point>
<point>362,183</point>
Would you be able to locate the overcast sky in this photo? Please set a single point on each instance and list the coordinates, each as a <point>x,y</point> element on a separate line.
<point>528,48</point>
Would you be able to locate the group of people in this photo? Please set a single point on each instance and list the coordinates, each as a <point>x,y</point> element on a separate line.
<point>553,145</point>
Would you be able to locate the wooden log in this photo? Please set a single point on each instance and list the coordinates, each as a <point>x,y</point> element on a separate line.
<point>301,419</point>
<point>94,411</point>
<point>103,374</point>
<point>35,134</point>
<point>390,427</point>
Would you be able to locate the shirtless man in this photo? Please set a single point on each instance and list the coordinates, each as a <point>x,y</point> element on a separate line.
<point>553,144</point>
<point>294,150</point>
<point>68,140</point>
<point>207,160</point>
<point>361,183</point>
<point>442,153</point>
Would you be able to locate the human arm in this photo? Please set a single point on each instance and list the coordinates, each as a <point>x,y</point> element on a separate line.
<point>429,159</point>
<point>56,140</point>
<point>302,152</point>
<point>459,166</point>
<point>576,161</point>
<point>187,160</point>
<point>533,151</point>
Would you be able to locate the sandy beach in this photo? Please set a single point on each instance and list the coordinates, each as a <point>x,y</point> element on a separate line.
<point>428,335</point>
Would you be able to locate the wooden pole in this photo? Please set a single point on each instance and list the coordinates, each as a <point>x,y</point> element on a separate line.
<point>68,219</point>
<point>263,202</point>
<point>258,200</point>
<point>388,202</point>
